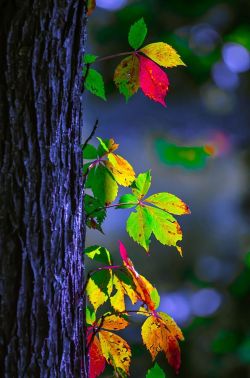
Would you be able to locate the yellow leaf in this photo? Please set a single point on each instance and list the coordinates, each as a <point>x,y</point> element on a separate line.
<point>96,296</point>
<point>117,300</point>
<point>116,350</point>
<point>162,54</point>
<point>121,169</point>
<point>114,322</point>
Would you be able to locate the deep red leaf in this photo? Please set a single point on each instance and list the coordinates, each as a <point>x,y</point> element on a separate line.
<point>153,80</point>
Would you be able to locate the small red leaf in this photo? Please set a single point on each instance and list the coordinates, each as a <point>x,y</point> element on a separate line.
<point>153,80</point>
<point>123,252</point>
<point>97,361</point>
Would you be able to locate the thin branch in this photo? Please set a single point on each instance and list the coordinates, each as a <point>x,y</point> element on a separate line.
<point>91,134</point>
<point>114,56</point>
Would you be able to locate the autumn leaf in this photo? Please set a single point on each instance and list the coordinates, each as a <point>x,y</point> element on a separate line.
<point>162,54</point>
<point>114,322</point>
<point>126,76</point>
<point>97,361</point>
<point>161,333</point>
<point>168,202</point>
<point>94,82</point>
<point>121,169</point>
<point>116,350</point>
<point>137,34</point>
<point>153,80</point>
<point>143,288</point>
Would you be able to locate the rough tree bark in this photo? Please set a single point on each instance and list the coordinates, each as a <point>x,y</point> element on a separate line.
<point>41,215</point>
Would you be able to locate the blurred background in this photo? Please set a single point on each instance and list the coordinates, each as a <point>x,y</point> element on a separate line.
<point>198,149</point>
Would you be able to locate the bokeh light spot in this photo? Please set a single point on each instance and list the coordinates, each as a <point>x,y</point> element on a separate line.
<point>111,4</point>
<point>205,302</point>
<point>236,57</point>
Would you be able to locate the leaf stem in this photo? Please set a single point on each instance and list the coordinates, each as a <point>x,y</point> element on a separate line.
<point>109,207</point>
<point>114,56</point>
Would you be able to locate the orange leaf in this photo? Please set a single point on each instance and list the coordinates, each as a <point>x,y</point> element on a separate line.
<point>161,333</point>
<point>114,322</point>
<point>153,80</point>
<point>143,287</point>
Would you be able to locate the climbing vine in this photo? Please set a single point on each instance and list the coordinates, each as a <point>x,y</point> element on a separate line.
<point>104,172</point>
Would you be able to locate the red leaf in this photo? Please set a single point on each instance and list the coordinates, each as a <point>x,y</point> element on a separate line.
<point>97,361</point>
<point>123,252</point>
<point>153,80</point>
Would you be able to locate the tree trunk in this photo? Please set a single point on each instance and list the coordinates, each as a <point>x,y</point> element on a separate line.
<point>41,188</point>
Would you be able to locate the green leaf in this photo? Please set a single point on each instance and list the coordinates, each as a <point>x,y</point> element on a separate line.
<point>99,254</point>
<point>94,208</point>
<point>169,202</point>
<point>89,58</point>
<point>165,227</point>
<point>94,82</point>
<point>141,184</point>
<point>103,147</point>
<point>90,316</point>
<point>85,168</point>
<point>127,201</point>
<point>155,297</point>
<point>102,279</point>
<point>155,372</point>
<point>137,34</point>
<point>139,226</point>
<point>102,184</point>
<point>90,152</point>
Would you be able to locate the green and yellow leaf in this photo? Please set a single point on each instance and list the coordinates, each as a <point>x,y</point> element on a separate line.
<point>121,169</point>
<point>126,76</point>
<point>139,226</point>
<point>102,184</point>
<point>142,184</point>
<point>169,202</point>
<point>165,227</point>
